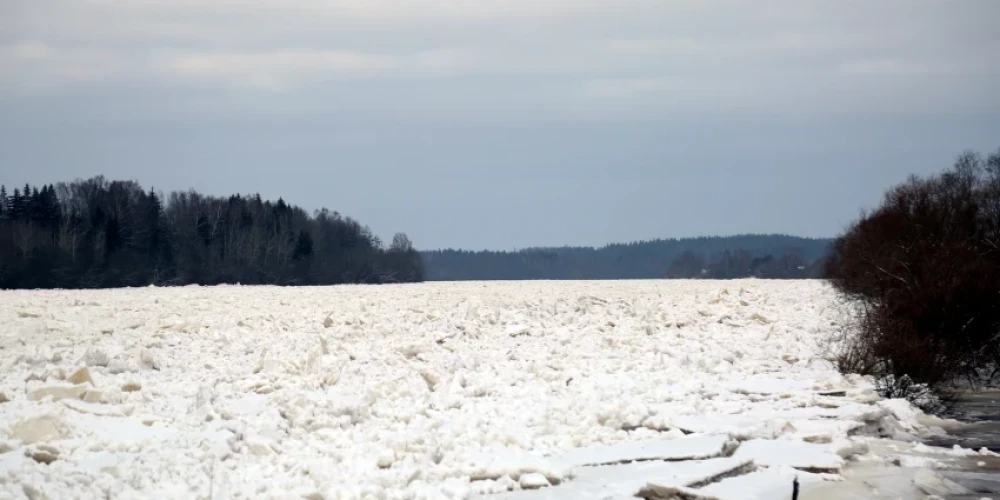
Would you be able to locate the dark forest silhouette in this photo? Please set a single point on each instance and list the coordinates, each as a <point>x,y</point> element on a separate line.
<point>743,256</point>
<point>97,233</point>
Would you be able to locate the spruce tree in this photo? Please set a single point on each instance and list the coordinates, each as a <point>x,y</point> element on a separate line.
<point>16,205</point>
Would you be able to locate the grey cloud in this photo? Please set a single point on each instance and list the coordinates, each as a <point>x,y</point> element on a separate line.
<point>542,121</point>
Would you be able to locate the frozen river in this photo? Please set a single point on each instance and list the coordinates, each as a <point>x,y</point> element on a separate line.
<point>445,390</point>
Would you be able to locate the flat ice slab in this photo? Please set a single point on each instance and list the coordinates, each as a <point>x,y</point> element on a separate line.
<point>685,448</point>
<point>625,480</point>
<point>764,484</point>
<point>736,426</point>
<point>789,453</point>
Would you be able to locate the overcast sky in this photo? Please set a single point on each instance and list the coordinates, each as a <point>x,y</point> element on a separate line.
<point>506,123</point>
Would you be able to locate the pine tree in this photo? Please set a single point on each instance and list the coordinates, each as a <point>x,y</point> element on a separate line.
<point>50,211</point>
<point>3,202</point>
<point>154,224</point>
<point>28,201</point>
<point>16,205</point>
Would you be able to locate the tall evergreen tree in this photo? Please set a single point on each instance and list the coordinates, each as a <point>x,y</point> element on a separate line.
<point>16,205</point>
<point>29,201</point>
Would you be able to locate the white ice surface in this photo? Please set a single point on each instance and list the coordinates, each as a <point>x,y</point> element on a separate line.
<point>411,391</point>
<point>766,483</point>
<point>625,480</point>
<point>738,426</point>
<point>768,385</point>
<point>684,448</point>
<point>790,453</point>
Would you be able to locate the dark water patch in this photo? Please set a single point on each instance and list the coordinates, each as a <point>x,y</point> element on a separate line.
<point>980,482</point>
<point>977,406</point>
<point>980,411</point>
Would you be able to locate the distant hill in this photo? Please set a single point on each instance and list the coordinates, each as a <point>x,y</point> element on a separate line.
<point>717,257</point>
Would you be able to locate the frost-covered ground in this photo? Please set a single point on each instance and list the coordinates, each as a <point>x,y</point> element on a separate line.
<point>442,390</point>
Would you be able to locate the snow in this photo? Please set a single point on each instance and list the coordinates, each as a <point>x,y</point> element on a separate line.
<point>11,461</point>
<point>768,483</point>
<point>534,480</point>
<point>737,426</point>
<point>685,448</point>
<point>626,480</point>
<point>901,408</point>
<point>768,385</point>
<point>438,390</point>
<point>790,453</point>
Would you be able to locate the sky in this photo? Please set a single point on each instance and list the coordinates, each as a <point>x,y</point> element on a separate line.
<point>504,124</point>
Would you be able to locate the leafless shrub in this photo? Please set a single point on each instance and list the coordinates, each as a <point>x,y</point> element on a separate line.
<point>923,270</point>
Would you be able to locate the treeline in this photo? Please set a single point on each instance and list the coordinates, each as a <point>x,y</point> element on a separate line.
<point>743,256</point>
<point>97,233</point>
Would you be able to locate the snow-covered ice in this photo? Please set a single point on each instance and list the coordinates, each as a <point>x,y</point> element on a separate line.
<point>626,480</point>
<point>768,483</point>
<point>438,390</point>
<point>790,453</point>
<point>682,448</point>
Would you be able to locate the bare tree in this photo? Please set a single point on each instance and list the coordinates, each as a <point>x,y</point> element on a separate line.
<point>922,270</point>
